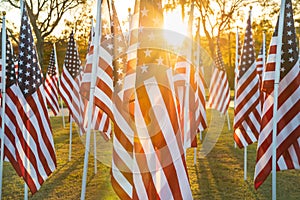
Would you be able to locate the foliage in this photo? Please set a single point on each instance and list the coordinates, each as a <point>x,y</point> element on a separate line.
<point>45,16</point>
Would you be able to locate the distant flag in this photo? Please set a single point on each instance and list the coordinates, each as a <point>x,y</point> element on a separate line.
<point>219,95</point>
<point>187,74</point>
<point>36,153</point>
<point>70,83</point>
<point>288,116</point>
<point>260,64</point>
<point>51,84</point>
<point>159,164</point>
<point>247,103</point>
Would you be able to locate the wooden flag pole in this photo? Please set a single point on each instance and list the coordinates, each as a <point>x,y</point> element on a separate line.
<point>91,98</point>
<point>275,104</point>
<point>3,99</point>
<point>70,140</point>
<point>57,71</point>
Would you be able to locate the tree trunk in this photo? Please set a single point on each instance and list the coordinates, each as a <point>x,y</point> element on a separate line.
<point>40,50</point>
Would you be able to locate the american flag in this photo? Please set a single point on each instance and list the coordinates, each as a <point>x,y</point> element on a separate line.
<point>191,98</point>
<point>122,160</point>
<point>159,164</point>
<point>288,117</point>
<point>260,64</point>
<point>11,125</point>
<point>219,95</point>
<point>36,153</point>
<point>70,83</point>
<point>247,102</point>
<point>51,84</point>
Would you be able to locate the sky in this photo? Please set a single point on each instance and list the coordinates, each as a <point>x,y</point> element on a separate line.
<point>122,9</point>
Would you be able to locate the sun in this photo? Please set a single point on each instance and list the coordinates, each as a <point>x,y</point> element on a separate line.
<point>173,22</point>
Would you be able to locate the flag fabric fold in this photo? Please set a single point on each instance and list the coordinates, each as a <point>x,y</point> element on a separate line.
<point>288,117</point>
<point>70,81</point>
<point>50,84</point>
<point>219,95</point>
<point>247,108</point>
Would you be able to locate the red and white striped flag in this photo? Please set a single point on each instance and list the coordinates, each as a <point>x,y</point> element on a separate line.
<point>219,95</point>
<point>260,64</point>
<point>11,125</point>
<point>247,103</point>
<point>35,146</point>
<point>50,84</point>
<point>122,160</point>
<point>288,116</point>
<point>189,88</point>
<point>159,168</point>
<point>70,83</point>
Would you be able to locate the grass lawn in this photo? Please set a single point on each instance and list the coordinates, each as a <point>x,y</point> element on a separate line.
<point>218,175</point>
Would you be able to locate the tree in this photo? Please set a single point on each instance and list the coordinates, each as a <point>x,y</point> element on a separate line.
<point>45,16</point>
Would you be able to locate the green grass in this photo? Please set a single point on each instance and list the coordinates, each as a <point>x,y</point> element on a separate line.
<point>219,175</point>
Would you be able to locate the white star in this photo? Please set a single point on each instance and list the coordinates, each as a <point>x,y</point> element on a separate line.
<point>23,27</point>
<point>159,61</point>
<point>119,82</point>
<point>291,50</point>
<point>288,5</point>
<point>289,33</point>
<point>26,91</point>
<point>22,45</point>
<point>144,12</point>
<point>21,54</point>
<point>147,52</point>
<point>120,60</point>
<point>291,59</point>
<point>144,68</point>
<point>120,49</point>
<point>288,15</point>
<point>28,65</point>
<point>289,24</point>
<point>26,82</point>
<point>120,71</point>
<point>110,46</point>
<point>290,42</point>
<point>22,36</point>
<point>28,56</point>
<point>108,36</point>
<point>156,20</point>
<point>282,69</point>
<point>105,26</point>
<point>27,73</point>
<point>282,61</point>
<point>151,36</point>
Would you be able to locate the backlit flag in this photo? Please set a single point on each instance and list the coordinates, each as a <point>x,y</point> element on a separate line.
<point>219,95</point>
<point>288,116</point>
<point>247,104</point>
<point>36,153</point>
<point>191,98</point>
<point>70,83</point>
<point>51,84</point>
<point>122,160</point>
<point>11,125</point>
<point>102,108</point>
<point>159,168</point>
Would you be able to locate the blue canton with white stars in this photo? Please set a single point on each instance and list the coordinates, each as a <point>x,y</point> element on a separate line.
<point>248,54</point>
<point>289,51</point>
<point>30,77</point>
<point>72,62</point>
<point>51,68</point>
